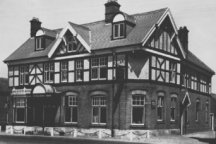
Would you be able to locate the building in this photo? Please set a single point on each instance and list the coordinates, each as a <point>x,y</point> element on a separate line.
<point>126,72</point>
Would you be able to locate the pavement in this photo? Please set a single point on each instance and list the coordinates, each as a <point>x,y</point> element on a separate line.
<point>193,138</point>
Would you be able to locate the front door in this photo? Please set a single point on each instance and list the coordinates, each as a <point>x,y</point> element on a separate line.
<point>43,111</point>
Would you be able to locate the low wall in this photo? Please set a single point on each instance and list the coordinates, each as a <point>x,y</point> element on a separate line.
<point>91,133</point>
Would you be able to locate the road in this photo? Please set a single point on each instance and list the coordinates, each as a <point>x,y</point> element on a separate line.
<point>9,139</point>
<point>22,139</point>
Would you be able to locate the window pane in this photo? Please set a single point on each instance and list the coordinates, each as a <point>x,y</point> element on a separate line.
<point>121,30</point>
<point>137,116</point>
<point>159,113</point>
<point>103,115</point>
<point>94,73</point>
<point>74,116</point>
<point>95,115</point>
<point>68,114</point>
<point>172,113</point>
<point>20,114</point>
<point>103,72</point>
<point>116,29</point>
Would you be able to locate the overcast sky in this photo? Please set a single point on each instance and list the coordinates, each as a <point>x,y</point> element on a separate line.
<point>198,15</point>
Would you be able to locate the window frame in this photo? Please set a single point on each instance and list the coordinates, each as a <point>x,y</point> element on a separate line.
<point>72,103</point>
<point>161,96</point>
<point>19,103</point>
<point>24,75</point>
<point>174,100</point>
<point>64,71</point>
<point>117,27</point>
<point>49,70</point>
<point>39,43</point>
<point>197,109</point>
<point>102,103</point>
<point>79,69</point>
<point>207,111</point>
<point>139,105</point>
<point>96,65</point>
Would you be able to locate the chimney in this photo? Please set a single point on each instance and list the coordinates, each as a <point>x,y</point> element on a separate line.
<point>35,26</point>
<point>111,8</point>
<point>183,36</point>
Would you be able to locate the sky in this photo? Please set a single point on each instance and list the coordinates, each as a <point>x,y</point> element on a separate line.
<point>198,15</point>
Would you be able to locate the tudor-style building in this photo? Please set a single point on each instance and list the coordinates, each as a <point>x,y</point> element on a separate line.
<point>123,72</point>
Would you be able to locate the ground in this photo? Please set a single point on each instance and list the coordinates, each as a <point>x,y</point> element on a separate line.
<point>196,138</point>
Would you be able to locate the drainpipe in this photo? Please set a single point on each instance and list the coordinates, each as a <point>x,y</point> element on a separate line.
<point>113,95</point>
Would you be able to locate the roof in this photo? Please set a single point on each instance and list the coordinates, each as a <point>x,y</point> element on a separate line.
<point>98,36</point>
<point>195,60</point>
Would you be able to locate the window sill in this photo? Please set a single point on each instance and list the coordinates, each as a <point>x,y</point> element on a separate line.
<point>137,126</point>
<point>98,125</point>
<point>71,123</point>
<point>172,121</point>
<point>160,121</point>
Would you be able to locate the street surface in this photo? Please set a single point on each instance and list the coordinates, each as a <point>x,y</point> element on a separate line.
<point>197,138</point>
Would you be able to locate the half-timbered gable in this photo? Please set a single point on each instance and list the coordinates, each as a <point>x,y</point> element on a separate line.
<point>70,45</point>
<point>164,39</point>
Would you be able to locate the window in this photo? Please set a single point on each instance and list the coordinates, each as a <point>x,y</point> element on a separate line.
<point>203,84</point>
<point>48,72</point>
<point>173,107</point>
<point>71,112</point>
<point>72,44</point>
<point>173,69</point>
<point>197,109</point>
<point>138,109</point>
<point>207,112</point>
<point>39,43</point>
<point>19,110</point>
<point>160,106</point>
<point>64,71</point>
<point>118,30</point>
<point>193,81</point>
<point>79,70</point>
<point>24,75</point>
<point>99,110</point>
<point>99,68</point>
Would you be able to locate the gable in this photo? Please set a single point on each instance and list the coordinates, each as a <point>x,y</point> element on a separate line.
<point>69,45</point>
<point>164,39</point>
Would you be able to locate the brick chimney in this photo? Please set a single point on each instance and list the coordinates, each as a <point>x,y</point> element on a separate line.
<point>183,36</point>
<point>111,8</point>
<point>35,26</point>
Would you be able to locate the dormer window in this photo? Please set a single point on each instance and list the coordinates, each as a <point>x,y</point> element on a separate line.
<point>39,43</point>
<point>118,26</point>
<point>118,30</point>
<point>39,40</point>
